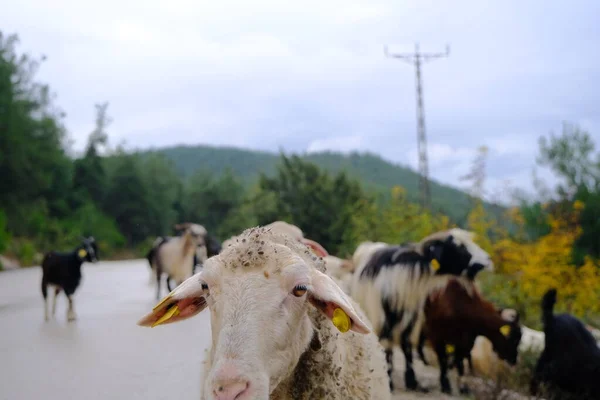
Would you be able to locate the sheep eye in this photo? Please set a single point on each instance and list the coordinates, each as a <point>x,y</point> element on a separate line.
<point>204,286</point>
<point>299,290</point>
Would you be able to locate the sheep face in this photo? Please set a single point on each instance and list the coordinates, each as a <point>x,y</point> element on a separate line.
<point>456,253</point>
<point>262,292</point>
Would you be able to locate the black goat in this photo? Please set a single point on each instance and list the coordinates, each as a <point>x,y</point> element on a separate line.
<point>570,361</point>
<point>63,272</point>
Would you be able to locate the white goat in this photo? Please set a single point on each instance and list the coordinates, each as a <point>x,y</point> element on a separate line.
<point>175,258</point>
<point>275,317</point>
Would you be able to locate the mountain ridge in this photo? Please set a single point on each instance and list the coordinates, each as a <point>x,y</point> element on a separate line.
<point>374,172</point>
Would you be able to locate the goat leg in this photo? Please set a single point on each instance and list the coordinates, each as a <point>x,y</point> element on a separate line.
<point>440,349</point>
<point>460,367</point>
<point>409,375</point>
<point>45,296</point>
<point>420,347</point>
<point>389,358</point>
<point>56,292</point>
<point>71,316</point>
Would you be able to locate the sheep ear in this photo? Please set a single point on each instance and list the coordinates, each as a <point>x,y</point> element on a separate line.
<point>185,301</point>
<point>315,247</point>
<point>327,296</point>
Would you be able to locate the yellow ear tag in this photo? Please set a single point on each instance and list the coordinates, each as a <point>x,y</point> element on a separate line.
<point>162,302</point>
<point>173,312</point>
<point>505,330</point>
<point>82,253</point>
<point>435,265</point>
<point>341,320</point>
<point>449,349</point>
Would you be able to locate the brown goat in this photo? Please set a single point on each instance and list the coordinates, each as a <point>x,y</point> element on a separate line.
<point>455,315</point>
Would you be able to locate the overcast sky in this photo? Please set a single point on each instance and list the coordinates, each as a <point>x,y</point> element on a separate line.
<point>312,75</point>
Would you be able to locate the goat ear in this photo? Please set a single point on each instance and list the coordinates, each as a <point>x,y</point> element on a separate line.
<point>185,301</point>
<point>327,296</point>
<point>505,330</point>
<point>435,250</point>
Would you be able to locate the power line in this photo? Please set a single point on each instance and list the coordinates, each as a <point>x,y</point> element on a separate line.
<point>417,59</point>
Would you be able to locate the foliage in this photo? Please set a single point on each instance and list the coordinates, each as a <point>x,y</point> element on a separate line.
<point>531,268</point>
<point>163,192</point>
<point>571,157</point>
<point>216,202</point>
<point>4,235</point>
<point>32,160</point>
<point>398,221</point>
<point>478,221</point>
<point>90,221</point>
<point>89,178</point>
<point>308,197</point>
<point>127,201</point>
<point>375,174</point>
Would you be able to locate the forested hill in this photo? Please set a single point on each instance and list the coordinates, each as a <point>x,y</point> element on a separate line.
<point>371,170</point>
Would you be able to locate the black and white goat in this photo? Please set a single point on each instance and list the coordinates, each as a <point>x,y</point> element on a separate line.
<point>391,284</point>
<point>62,271</point>
<point>570,361</point>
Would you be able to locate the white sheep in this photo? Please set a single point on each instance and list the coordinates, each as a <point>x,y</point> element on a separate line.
<point>292,231</point>
<point>275,317</point>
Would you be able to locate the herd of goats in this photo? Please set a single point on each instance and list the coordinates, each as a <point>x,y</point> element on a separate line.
<point>290,321</point>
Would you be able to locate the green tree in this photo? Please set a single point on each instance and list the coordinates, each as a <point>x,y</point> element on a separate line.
<point>309,198</point>
<point>572,157</point>
<point>213,202</point>
<point>163,187</point>
<point>89,176</point>
<point>33,165</point>
<point>127,200</point>
<point>4,235</point>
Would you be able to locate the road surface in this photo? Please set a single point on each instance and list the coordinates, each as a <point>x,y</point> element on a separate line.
<point>104,354</point>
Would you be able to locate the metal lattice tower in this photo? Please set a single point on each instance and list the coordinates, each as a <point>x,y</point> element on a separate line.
<point>417,59</point>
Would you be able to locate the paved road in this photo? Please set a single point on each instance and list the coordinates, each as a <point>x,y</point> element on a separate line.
<point>104,354</point>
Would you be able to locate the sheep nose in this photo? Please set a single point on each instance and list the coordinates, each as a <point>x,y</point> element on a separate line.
<point>231,390</point>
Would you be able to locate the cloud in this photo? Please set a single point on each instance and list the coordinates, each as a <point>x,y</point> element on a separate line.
<point>312,75</point>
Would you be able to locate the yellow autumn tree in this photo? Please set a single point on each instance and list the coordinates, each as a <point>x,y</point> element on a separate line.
<point>396,222</point>
<point>534,267</point>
